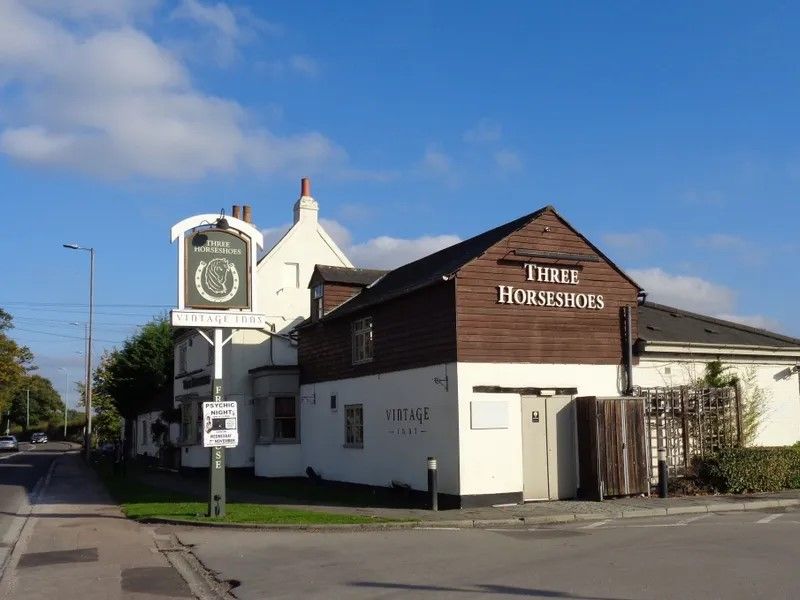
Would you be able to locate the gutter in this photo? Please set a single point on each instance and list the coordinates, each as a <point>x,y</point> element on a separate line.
<point>791,352</point>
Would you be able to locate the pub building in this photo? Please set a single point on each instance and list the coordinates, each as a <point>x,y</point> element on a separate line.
<point>475,355</point>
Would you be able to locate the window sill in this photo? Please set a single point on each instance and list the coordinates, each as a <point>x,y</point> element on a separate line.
<point>277,442</point>
<point>356,446</point>
<point>363,362</point>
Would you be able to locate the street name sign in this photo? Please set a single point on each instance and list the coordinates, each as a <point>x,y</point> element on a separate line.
<point>219,425</point>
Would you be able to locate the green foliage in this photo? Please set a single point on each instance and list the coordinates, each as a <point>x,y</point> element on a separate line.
<point>739,470</point>
<point>45,402</point>
<point>755,406</point>
<point>106,422</point>
<point>140,370</point>
<point>717,375</point>
<point>15,362</point>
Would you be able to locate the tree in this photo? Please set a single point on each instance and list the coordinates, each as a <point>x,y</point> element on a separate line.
<point>137,373</point>
<point>46,405</point>
<point>15,362</point>
<point>106,422</point>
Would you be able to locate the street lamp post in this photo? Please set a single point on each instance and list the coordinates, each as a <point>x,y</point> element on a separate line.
<point>66,398</point>
<point>88,434</point>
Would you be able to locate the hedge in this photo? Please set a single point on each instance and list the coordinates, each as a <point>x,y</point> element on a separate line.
<point>739,470</point>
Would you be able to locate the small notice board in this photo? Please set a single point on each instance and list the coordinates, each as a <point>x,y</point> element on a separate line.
<point>219,425</point>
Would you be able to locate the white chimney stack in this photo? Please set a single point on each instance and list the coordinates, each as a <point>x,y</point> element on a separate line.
<point>306,208</point>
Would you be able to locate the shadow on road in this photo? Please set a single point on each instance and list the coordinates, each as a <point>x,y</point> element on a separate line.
<point>477,589</point>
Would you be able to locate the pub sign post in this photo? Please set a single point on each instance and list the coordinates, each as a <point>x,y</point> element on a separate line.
<point>217,292</point>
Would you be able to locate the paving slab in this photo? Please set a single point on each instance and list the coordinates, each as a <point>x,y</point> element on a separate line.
<point>77,543</point>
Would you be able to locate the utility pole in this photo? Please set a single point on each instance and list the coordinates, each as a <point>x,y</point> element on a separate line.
<point>28,410</point>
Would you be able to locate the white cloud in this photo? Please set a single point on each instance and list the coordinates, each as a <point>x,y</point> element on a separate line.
<point>436,162</point>
<point>633,242</point>
<point>684,291</point>
<point>723,241</point>
<point>111,11</point>
<point>382,252</point>
<point>305,65</point>
<point>112,101</point>
<point>386,252</point>
<point>507,161</point>
<point>484,131</point>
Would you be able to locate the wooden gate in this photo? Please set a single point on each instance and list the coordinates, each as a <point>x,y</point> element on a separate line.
<point>612,451</point>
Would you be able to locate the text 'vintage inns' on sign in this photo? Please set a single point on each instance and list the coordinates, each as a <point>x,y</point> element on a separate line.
<point>217,270</point>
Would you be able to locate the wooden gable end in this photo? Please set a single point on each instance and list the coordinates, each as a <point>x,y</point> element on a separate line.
<point>547,322</point>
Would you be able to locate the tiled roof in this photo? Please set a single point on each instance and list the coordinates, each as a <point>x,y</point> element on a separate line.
<point>429,269</point>
<point>659,323</point>
<point>349,275</point>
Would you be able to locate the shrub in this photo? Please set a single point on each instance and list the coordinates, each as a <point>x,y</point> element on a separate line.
<point>739,470</point>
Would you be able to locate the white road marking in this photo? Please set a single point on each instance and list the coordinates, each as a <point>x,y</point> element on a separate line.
<point>693,519</point>
<point>768,518</point>
<point>593,525</point>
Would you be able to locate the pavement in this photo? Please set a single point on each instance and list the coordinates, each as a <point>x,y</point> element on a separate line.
<point>76,543</point>
<point>529,513</point>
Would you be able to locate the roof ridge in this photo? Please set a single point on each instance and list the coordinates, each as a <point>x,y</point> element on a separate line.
<point>726,323</point>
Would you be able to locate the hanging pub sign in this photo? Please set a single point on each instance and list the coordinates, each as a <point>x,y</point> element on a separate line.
<point>217,270</point>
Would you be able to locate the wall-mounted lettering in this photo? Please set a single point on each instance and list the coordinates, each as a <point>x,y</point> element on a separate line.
<point>508,294</point>
<point>408,420</point>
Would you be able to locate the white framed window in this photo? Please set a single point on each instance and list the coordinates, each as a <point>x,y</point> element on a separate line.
<point>316,301</point>
<point>188,421</point>
<point>333,402</point>
<point>362,340</point>
<point>182,350</point>
<point>354,425</point>
<point>276,419</point>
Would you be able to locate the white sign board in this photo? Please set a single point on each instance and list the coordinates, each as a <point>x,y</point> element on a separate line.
<point>219,425</point>
<point>216,318</point>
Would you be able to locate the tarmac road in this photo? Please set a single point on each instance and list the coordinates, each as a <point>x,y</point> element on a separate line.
<point>19,474</point>
<point>728,555</point>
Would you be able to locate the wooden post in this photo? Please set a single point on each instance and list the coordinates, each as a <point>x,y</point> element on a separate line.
<point>739,432</point>
<point>684,429</point>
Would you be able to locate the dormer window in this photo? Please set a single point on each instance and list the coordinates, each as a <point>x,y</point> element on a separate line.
<point>316,301</point>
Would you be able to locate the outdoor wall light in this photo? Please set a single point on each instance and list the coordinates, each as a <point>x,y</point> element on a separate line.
<point>222,222</point>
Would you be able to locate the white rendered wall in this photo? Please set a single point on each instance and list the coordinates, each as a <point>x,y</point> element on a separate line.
<point>782,423</point>
<point>393,450</point>
<point>491,459</point>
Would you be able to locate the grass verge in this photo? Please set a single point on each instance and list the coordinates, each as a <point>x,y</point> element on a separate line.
<point>140,501</point>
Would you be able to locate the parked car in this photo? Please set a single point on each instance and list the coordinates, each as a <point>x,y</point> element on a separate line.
<point>9,443</point>
<point>39,438</point>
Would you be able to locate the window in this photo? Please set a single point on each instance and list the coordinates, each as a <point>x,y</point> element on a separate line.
<point>276,419</point>
<point>182,358</point>
<point>362,340</point>
<point>317,307</point>
<point>143,429</point>
<point>285,418</point>
<point>188,422</point>
<point>354,425</point>
<point>333,402</point>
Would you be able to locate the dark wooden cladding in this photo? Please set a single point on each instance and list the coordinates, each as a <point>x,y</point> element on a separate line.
<point>492,332</point>
<point>415,330</point>
<point>334,294</point>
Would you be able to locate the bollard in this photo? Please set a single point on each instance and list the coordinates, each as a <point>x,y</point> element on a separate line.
<point>433,483</point>
<point>663,473</point>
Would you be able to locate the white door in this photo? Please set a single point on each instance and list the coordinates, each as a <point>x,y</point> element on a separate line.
<point>535,481</point>
<point>549,456</point>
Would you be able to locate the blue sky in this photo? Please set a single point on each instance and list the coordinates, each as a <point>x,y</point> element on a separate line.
<point>668,134</point>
